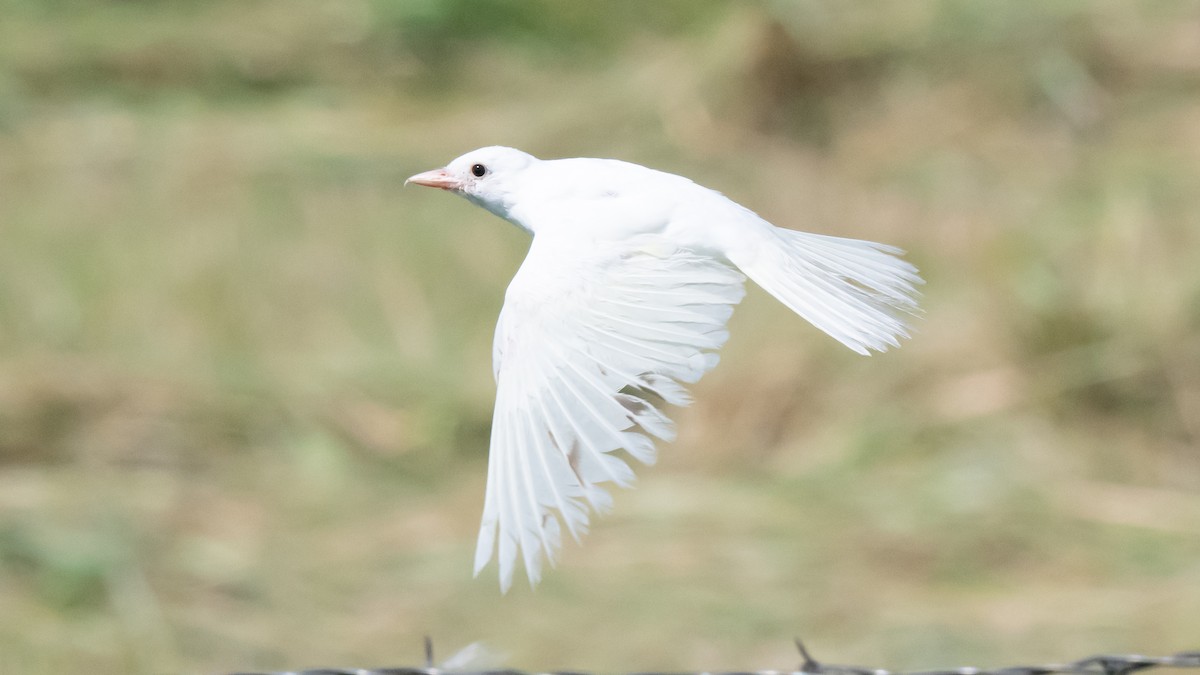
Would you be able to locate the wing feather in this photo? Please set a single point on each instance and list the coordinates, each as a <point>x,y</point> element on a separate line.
<point>587,333</point>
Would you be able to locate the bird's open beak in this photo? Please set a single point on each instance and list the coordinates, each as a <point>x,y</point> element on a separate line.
<point>438,178</point>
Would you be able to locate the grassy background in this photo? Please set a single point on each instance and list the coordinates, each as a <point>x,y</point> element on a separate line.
<point>245,382</point>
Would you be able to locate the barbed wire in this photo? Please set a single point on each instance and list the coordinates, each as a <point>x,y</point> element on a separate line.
<point>1101,664</point>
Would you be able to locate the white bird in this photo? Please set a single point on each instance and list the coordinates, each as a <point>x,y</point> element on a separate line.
<point>622,300</point>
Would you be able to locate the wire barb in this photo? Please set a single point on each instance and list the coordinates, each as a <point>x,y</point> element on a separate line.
<point>809,665</point>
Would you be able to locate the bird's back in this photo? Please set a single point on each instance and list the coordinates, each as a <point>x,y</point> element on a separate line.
<point>605,198</point>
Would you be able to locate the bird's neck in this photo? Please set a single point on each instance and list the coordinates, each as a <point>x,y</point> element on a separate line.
<point>504,208</point>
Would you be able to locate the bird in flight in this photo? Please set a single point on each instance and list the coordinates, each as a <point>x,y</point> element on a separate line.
<point>622,301</point>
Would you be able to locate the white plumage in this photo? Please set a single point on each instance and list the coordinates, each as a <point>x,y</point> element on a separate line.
<point>622,300</point>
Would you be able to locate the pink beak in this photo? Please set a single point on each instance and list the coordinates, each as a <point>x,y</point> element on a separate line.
<point>438,178</point>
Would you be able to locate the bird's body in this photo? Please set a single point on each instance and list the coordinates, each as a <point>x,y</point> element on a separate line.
<point>622,299</point>
<point>608,199</point>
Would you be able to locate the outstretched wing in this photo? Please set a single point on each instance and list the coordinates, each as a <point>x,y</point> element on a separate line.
<point>588,331</point>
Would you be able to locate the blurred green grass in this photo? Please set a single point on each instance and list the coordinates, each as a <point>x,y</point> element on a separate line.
<point>245,382</point>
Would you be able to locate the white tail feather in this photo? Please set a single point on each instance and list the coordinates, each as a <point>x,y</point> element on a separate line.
<point>856,291</point>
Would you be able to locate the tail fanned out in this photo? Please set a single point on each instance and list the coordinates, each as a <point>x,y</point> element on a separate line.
<point>856,291</point>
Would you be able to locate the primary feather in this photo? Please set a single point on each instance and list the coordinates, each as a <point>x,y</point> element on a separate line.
<point>621,301</point>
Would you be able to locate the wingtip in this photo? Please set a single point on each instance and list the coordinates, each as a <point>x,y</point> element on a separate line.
<point>534,580</point>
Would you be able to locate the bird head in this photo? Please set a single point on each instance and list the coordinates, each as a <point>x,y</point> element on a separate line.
<point>486,176</point>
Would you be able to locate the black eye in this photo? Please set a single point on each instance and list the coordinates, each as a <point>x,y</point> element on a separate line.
<point>478,170</point>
